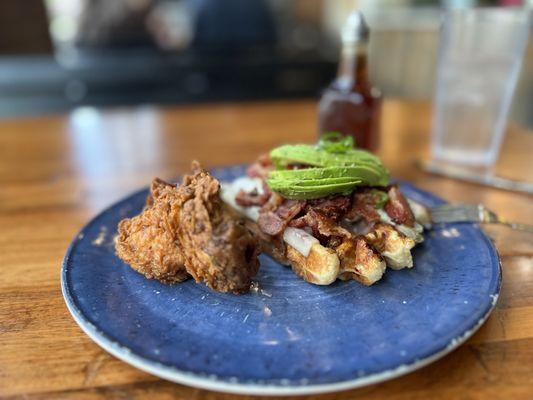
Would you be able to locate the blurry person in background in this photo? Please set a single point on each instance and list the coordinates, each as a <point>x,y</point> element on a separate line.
<point>172,23</point>
<point>127,52</point>
<point>227,25</point>
<point>233,25</point>
<point>115,24</point>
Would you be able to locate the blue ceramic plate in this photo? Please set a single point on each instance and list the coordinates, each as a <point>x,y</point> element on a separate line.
<point>290,337</point>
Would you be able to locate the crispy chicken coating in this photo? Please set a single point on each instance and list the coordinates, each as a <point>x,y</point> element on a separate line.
<point>187,230</point>
<point>148,241</point>
<point>218,248</point>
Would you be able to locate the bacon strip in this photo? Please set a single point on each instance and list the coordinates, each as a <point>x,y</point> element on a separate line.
<point>398,209</point>
<point>271,223</point>
<point>321,225</point>
<point>322,216</point>
<point>261,167</point>
<point>364,203</point>
<point>274,222</point>
<point>333,207</point>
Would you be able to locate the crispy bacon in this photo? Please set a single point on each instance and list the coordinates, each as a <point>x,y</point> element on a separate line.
<point>276,214</point>
<point>273,202</point>
<point>321,225</point>
<point>271,223</point>
<point>327,226</point>
<point>364,206</point>
<point>397,207</point>
<point>261,167</point>
<point>290,209</point>
<point>321,215</point>
<point>300,222</point>
<point>333,207</point>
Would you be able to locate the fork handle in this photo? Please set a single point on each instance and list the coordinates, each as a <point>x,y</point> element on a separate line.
<point>518,226</point>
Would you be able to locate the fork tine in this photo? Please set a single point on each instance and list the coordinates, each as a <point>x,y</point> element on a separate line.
<point>456,208</point>
<point>471,213</point>
<point>455,212</point>
<point>449,207</point>
<point>452,215</point>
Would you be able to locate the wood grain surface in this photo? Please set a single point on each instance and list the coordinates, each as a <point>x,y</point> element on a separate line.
<point>57,172</point>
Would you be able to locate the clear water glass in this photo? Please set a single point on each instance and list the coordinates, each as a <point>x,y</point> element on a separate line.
<point>480,55</point>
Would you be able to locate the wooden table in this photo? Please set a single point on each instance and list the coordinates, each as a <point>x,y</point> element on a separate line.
<point>57,172</point>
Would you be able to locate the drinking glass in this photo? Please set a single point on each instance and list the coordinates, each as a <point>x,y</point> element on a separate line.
<point>480,56</point>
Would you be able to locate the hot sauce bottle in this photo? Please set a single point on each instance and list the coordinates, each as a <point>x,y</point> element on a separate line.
<point>350,105</point>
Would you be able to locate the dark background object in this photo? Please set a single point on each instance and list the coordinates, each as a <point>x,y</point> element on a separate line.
<point>59,54</point>
<point>234,25</point>
<point>114,25</point>
<point>24,28</point>
<point>234,50</point>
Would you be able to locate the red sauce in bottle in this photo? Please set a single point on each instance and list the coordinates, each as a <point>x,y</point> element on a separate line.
<point>350,105</point>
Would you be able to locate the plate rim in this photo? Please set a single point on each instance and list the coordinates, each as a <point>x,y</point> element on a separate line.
<point>256,387</point>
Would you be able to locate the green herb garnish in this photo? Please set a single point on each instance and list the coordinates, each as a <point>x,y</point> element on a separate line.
<point>382,198</point>
<point>334,142</point>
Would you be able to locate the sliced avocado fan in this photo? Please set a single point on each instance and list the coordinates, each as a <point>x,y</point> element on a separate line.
<point>332,166</point>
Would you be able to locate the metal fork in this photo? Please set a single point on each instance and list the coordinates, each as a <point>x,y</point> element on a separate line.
<point>472,213</point>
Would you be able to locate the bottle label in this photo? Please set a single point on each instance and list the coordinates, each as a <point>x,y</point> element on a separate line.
<point>351,49</point>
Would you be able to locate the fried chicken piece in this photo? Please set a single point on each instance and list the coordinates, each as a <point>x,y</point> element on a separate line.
<point>188,230</point>
<point>218,247</point>
<point>147,242</point>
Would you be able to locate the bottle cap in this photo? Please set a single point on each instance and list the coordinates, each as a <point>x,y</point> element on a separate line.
<point>356,28</point>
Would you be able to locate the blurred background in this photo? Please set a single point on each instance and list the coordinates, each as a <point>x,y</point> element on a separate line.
<point>59,54</point>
